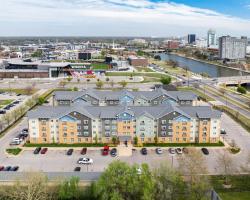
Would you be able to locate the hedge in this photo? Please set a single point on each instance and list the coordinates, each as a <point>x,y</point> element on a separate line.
<point>68,145</point>
<point>219,144</point>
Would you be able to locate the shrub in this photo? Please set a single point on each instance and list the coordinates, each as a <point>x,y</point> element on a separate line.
<point>241,90</point>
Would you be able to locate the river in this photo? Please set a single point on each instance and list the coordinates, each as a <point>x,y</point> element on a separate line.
<point>199,67</point>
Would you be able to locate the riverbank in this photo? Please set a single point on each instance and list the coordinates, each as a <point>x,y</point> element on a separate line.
<point>210,63</point>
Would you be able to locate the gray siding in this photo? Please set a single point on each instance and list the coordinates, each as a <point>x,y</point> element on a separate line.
<point>167,117</point>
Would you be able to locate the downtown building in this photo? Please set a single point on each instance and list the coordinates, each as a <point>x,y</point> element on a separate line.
<point>232,48</point>
<point>99,116</point>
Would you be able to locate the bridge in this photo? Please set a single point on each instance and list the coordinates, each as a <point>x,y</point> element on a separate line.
<point>234,80</point>
<point>154,50</point>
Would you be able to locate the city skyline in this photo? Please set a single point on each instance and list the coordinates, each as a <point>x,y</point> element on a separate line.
<point>135,18</point>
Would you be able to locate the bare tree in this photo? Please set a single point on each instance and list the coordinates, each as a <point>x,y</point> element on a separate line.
<point>112,83</point>
<point>225,165</point>
<point>34,187</point>
<point>193,167</point>
<point>7,118</point>
<point>29,90</point>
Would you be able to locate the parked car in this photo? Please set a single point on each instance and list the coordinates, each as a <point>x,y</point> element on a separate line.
<point>223,131</point>
<point>14,169</point>
<point>84,151</point>
<point>25,130</point>
<point>159,150</point>
<point>178,151</point>
<point>171,150</point>
<point>1,168</point>
<point>205,151</point>
<point>144,151</point>
<point>185,150</point>
<point>70,152</point>
<point>87,161</point>
<point>37,150</point>
<point>18,139</point>
<point>105,150</point>
<point>77,169</point>
<point>44,150</point>
<point>15,143</point>
<point>2,112</point>
<point>7,169</point>
<point>113,152</point>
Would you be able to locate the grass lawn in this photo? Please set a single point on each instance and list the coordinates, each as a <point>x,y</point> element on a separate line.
<point>98,66</point>
<point>144,69</point>
<point>15,151</point>
<point>146,74</point>
<point>235,195</point>
<point>19,91</point>
<point>5,102</point>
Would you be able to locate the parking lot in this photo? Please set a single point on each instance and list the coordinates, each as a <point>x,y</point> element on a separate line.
<point>56,160</point>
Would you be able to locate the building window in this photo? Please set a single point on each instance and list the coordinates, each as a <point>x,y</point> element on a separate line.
<point>155,102</point>
<point>79,140</point>
<point>72,140</point>
<point>85,127</point>
<point>85,133</point>
<point>163,128</point>
<point>85,121</point>
<point>163,121</point>
<point>65,140</point>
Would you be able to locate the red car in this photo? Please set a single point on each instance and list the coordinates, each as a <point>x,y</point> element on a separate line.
<point>105,151</point>
<point>44,150</point>
<point>84,151</point>
<point>1,168</point>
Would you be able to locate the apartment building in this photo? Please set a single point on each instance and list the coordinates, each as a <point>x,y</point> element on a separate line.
<point>86,123</point>
<point>115,98</point>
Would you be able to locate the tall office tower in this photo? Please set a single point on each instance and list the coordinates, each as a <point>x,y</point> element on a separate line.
<point>232,48</point>
<point>211,39</point>
<point>191,38</point>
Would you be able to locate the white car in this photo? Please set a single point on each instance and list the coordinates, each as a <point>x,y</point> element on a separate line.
<point>87,161</point>
<point>17,139</point>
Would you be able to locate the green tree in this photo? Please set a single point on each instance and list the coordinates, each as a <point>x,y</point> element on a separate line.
<point>114,140</point>
<point>241,90</point>
<point>37,54</point>
<point>123,84</point>
<point>69,78</point>
<point>69,189</point>
<point>123,182</point>
<point>165,80</point>
<point>99,84</point>
<point>135,140</point>
<point>41,100</point>
<point>75,89</point>
<point>169,183</point>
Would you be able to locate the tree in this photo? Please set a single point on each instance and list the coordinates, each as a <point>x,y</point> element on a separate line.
<point>123,182</point>
<point>226,165</point>
<point>241,90</point>
<point>169,183</point>
<point>41,100</point>
<point>69,78</point>
<point>99,84</point>
<point>123,84</point>
<point>193,166</point>
<point>114,140</point>
<point>75,89</point>
<point>29,103</point>
<point>36,188</point>
<point>62,84</point>
<point>7,118</point>
<point>135,140</point>
<point>165,80</point>
<point>112,83</point>
<point>69,189</point>
<point>15,114</point>
<point>29,90</point>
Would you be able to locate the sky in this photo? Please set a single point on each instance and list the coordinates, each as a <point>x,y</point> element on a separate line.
<point>138,18</point>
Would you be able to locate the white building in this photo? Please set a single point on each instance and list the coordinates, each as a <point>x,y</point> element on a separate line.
<point>212,39</point>
<point>232,48</point>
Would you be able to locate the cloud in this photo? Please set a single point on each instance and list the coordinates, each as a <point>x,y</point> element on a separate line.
<point>119,13</point>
